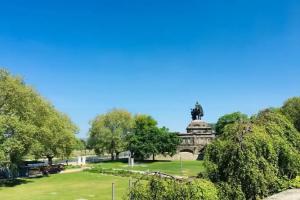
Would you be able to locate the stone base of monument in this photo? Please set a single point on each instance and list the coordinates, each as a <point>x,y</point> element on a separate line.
<point>178,156</point>
<point>198,135</point>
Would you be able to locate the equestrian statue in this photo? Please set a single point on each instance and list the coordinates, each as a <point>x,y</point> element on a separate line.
<point>197,112</point>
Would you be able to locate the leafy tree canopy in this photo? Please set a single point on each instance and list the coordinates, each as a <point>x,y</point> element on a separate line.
<point>147,139</point>
<point>29,124</point>
<point>291,109</point>
<point>252,159</point>
<point>108,132</point>
<point>229,119</point>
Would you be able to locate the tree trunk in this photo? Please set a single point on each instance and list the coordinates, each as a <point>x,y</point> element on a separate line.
<point>112,156</point>
<point>117,155</point>
<point>112,149</point>
<point>50,158</point>
<point>153,157</point>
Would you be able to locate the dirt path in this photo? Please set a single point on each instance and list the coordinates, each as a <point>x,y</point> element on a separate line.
<point>292,194</point>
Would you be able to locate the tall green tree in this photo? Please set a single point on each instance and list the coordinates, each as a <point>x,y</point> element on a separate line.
<point>168,142</point>
<point>81,145</point>
<point>30,124</point>
<point>56,137</point>
<point>108,132</point>
<point>16,114</point>
<point>253,159</point>
<point>143,138</point>
<point>146,139</point>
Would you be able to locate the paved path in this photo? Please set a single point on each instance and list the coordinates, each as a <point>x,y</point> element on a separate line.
<point>292,194</point>
<point>74,170</point>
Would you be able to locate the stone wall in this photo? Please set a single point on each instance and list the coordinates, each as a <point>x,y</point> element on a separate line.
<point>183,155</point>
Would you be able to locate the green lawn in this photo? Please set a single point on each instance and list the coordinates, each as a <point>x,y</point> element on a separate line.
<point>189,168</point>
<point>91,186</point>
<point>73,186</point>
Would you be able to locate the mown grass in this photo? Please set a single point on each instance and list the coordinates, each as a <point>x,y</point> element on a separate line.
<point>90,186</point>
<point>73,186</point>
<point>189,168</point>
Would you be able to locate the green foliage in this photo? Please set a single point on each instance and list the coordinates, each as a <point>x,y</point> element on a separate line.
<point>277,124</point>
<point>245,159</point>
<point>230,191</point>
<point>229,119</point>
<point>295,182</point>
<point>56,137</point>
<point>168,142</point>
<point>29,124</point>
<point>80,145</point>
<point>143,139</point>
<point>285,138</point>
<point>108,132</point>
<point>118,172</point>
<point>291,109</point>
<point>15,141</point>
<point>169,189</point>
<point>251,160</point>
<point>147,139</point>
<point>189,167</point>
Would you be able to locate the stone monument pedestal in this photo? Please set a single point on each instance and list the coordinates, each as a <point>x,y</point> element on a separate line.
<point>198,133</point>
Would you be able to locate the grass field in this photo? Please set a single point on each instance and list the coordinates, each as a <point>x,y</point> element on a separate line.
<point>91,186</point>
<point>189,168</point>
<point>73,186</point>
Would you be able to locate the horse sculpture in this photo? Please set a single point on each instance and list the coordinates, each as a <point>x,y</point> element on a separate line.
<point>197,112</point>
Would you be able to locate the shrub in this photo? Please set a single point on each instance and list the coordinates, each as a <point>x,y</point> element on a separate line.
<point>170,189</point>
<point>295,183</point>
<point>251,160</point>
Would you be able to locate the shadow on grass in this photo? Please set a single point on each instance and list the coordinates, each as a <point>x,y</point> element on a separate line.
<point>18,181</point>
<point>123,160</point>
<point>154,161</point>
<point>13,182</point>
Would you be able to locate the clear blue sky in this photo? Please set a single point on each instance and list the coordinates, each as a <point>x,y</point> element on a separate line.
<point>154,57</point>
